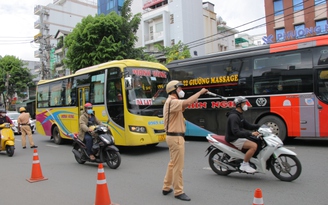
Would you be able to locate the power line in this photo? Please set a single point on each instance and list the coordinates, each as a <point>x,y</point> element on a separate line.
<point>261,25</point>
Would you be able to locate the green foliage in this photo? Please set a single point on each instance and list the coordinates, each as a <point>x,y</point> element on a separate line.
<point>103,38</point>
<point>18,77</point>
<point>178,51</point>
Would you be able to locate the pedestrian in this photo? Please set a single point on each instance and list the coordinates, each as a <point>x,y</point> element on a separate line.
<point>24,127</point>
<point>175,128</point>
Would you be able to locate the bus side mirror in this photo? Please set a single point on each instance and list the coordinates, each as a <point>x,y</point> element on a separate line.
<point>128,82</point>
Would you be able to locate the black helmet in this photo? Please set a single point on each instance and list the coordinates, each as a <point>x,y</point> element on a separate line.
<point>238,100</point>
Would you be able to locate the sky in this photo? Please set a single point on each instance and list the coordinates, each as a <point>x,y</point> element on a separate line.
<point>17,22</point>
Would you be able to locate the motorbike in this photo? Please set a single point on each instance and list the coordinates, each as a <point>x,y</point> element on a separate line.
<point>7,139</point>
<point>103,148</point>
<point>224,158</point>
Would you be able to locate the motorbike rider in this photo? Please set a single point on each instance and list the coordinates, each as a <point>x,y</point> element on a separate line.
<point>88,119</point>
<point>237,132</point>
<point>4,119</point>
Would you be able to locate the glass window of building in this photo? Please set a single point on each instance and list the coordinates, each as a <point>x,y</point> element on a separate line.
<point>299,31</point>
<point>298,5</point>
<point>278,7</point>
<point>319,2</point>
<point>320,26</point>
<point>280,34</point>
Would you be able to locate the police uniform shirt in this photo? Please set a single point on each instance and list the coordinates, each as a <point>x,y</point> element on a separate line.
<point>175,119</point>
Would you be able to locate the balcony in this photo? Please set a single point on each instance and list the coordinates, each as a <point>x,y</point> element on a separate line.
<point>37,54</point>
<point>37,24</point>
<point>37,9</point>
<point>58,2</point>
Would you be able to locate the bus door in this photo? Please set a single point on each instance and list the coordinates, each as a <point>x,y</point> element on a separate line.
<point>321,104</point>
<point>83,97</point>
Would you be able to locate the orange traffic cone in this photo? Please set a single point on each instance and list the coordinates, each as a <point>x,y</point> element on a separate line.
<point>36,174</point>
<point>102,194</point>
<point>258,200</point>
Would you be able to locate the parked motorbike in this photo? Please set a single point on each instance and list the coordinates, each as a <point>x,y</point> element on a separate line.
<point>103,148</point>
<point>224,158</point>
<point>7,139</point>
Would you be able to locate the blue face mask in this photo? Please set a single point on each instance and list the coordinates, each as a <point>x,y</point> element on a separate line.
<point>89,111</point>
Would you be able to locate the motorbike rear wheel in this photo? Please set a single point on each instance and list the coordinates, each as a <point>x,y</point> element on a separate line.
<point>218,155</point>
<point>78,159</point>
<point>10,150</point>
<point>290,170</point>
<point>113,159</point>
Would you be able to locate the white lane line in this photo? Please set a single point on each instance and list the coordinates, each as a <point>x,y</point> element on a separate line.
<point>55,146</point>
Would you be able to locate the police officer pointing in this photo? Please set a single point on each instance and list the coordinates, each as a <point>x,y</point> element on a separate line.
<point>175,128</point>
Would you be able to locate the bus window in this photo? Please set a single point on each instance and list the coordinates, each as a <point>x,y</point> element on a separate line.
<point>97,87</point>
<point>288,73</point>
<point>43,93</point>
<point>228,73</point>
<point>320,55</point>
<point>323,85</point>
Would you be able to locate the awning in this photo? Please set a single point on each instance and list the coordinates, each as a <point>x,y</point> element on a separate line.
<point>240,40</point>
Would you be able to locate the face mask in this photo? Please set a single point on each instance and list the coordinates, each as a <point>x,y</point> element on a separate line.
<point>3,114</point>
<point>245,107</point>
<point>89,111</point>
<point>181,94</point>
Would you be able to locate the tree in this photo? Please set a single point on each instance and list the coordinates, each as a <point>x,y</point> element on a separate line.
<point>103,38</point>
<point>14,78</point>
<point>178,51</point>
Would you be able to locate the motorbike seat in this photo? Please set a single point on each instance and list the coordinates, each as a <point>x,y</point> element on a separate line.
<point>221,138</point>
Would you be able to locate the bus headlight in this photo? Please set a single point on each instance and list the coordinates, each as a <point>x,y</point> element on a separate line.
<point>138,129</point>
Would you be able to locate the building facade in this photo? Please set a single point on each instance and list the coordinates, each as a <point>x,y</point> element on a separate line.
<point>107,6</point>
<point>61,15</point>
<point>288,20</point>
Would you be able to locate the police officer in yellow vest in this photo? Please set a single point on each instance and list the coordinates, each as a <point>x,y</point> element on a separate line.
<point>175,128</point>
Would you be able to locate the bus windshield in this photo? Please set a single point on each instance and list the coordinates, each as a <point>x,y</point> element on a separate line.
<point>145,90</point>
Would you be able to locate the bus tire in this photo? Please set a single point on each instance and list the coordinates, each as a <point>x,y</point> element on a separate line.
<point>279,127</point>
<point>56,136</point>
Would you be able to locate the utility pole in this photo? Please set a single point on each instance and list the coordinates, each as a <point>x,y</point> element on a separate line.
<point>7,91</point>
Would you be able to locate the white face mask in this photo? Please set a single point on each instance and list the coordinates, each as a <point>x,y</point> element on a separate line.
<point>245,107</point>
<point>3,114</point>
<point>181,94</point>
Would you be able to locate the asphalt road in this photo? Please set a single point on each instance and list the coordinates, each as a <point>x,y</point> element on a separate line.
<point>139,178</point>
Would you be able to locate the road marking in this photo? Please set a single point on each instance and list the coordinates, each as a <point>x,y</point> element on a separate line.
<point>207,168</point>
<point>55,146</point>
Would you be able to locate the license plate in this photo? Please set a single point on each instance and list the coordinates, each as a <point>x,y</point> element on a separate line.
<point>161,137</point>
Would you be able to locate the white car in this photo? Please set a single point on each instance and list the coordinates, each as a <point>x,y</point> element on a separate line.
<point>14,116</point>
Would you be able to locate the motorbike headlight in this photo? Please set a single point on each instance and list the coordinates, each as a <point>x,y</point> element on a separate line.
<point>139,129</point>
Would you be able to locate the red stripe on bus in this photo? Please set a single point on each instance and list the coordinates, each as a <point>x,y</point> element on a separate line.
<point>287,107</point>
<point>293,45</point>
<point>323,124</point>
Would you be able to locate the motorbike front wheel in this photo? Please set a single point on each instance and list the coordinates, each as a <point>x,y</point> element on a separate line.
<point>113,159</point>
<point>286,167</point>
<point>218,155</point>
<point>10,150</point>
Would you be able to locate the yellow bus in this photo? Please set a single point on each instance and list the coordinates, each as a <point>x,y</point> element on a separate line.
<point>128,95</point>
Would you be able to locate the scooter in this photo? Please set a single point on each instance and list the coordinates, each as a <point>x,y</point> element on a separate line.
<point>224,158</point>
<point>103,148</point>
<point>7,139</point>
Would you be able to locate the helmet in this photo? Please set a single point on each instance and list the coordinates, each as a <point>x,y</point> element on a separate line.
<point>173,85</point>
<point>22,109</point>
<point>88,105</point>
<point>3,111</point>
<point>240,99</point>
